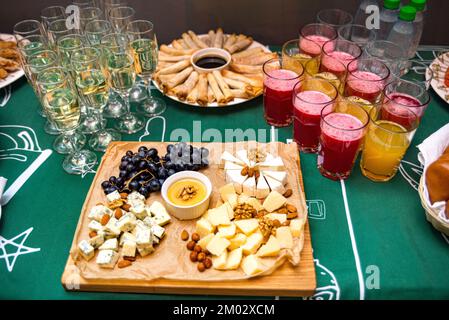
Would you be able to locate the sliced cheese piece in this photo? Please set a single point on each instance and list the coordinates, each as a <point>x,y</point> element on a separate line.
<point>284,236</point>
<point>129,249</point>
<point>127,236</point>
<point>281,217</point>
<point>280,176</point>
<point>249,187</point>
<point>204,241</point>
<point>227,191</point>
<point>107,259</point>
<point>96,241</point>
<point>229,210</point>
<point>86,250</point>
<point>270,249</point>
<point>228,157</point>
<point>217,245</point>
<point>113,196</point>
<point>254,203</point>
<point>160,214</point>
<point>247,226</point>
<point>219,262</point>
<point>252,265</point>
<point>234,259</point>
<point>234,177</point>
<point>275,185</point>
<point>296,227</point>
<point>242,155</point>
<point>272,163</point>
<point>232,200</point>
<point>253,242</point>
<point>262,189</point>
<point>232,166</point>
<point>243,198</point>
<point>274,201</point>
<point>218,216</point>
<point>203,227</point>
<point>238,241</point>
<point>227,231</point>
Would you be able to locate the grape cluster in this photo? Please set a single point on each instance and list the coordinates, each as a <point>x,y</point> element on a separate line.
<point>145,171</point>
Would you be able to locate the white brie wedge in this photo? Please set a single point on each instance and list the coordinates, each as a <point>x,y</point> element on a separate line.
<point>275,185</point>
<point>262,189</point>
<point>227,157</point>
<point>249,187</point>
<point>234,176</point>
<point>280,176</point>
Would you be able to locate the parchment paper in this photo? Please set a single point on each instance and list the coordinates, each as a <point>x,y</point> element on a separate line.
<point>171,258</point>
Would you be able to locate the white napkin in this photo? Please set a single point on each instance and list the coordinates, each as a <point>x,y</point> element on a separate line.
<point>430,150</point>
<point>2,187</point>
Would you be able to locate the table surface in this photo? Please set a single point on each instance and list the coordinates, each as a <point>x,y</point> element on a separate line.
<point>377,246</point>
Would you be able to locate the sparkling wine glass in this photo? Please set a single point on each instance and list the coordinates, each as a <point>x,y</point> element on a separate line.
<point>60,101</point>
<point>89,14</point>
<point>120,17</point>
<point>95,30</point>
<point>58,29</point>
<point>143,46</point>
<point>121,77</point>
<point>27,28</point>
<point>50,14</point>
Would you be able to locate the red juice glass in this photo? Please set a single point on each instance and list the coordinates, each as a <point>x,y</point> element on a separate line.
<point>366,79</point>
<point>343,51</point>
<point>313,34</point>
<point>400,94</point>
<point>343,128</point>
<point>278,86</point>
<point>309,98</point>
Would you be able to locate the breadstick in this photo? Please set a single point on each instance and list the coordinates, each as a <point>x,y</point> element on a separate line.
<point>251,80</point>
<point>247,53</point>
<point>223,86</point>
<point>188,40</point>
<point>211,35</point>
<point>197,40</point>
<point>202,90</point>
<point>183,90</point>
<point>240,45</point>
<point>230,41</point>
<point>243,68</point>
<point>177,45</point>
<point>218,41</point>
<point>181,65</point>
<point>175,52</point>
<point>178,78</point>
<point>215,89</point>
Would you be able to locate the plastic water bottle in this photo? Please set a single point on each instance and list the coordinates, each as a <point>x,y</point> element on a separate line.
<point>361,15</point>
<point>420,6</point>
<point>403,31</point>
<point>388,17</point>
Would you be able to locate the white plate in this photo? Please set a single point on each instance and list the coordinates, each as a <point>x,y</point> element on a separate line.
<point>14,75</point>
<point>439,67</point>
<point>255,44</point>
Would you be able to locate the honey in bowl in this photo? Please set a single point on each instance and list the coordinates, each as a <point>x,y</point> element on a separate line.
<point>186,192</point>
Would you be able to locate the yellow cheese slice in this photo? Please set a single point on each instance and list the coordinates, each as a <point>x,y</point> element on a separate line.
<point>217,245</point>
<point>247,226</point>
<point>234,259</point>
<point>237,241</point>
<point>252,265</point>
<point>274,201</point>
<point>270,249</point>
<point>284,236</point>
<point>220,261</point>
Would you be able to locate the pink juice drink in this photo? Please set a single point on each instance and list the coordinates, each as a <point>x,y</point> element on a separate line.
<point>308,44</point>
<point>277,96</point>
<point>336,62</point>
<point>394,109</point>
<point>340,140</point>
<point>307,113</point>
<point>365,85</point>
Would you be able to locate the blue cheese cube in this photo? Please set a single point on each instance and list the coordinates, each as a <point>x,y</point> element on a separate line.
<point>97,212</point>
<point>113,196</point>
<point>135,196</point>
<point>107,259</point>
<point>126,236</point>
<point>127,222</point>
<point>129,249</point>
<point>111,244</point>
<point>95,226</point>
<point>96,241</point>
<point>160,214</point>
<point>144,251</point>
<point>111,229</point>
<point>155,240</point>
<point>86,250</point>
<point>139,210</point>
<point>149,222</point>
<point>158,231</point>
<point>144,237</point>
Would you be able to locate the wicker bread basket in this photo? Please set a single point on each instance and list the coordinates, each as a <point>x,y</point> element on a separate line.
<point>431,215</point>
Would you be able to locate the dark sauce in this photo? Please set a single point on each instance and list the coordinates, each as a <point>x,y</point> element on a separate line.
<point>210,62</point>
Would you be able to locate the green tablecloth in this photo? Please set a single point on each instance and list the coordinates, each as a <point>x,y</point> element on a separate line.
<point>379,247</point>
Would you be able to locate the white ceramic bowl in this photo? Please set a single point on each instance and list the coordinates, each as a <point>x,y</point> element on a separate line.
<point>187,212</point>
<point>210,52</point>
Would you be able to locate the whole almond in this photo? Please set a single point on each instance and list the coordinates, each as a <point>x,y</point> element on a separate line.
<point>92,234</point>
<point>276,223</point>
<point>288,193</point>
<point>124,263</point>
<point>291,208</point>
<point>244,171</point>
<point>132,259</point>
<point>126,207</point>
<point>251,172</point>
<point>118,213</point>
<point>184,235</point>
<point>283,211</point>
<point>124,195</point>
<point>105,219</point>
<point>292,215</point>
<point>286,223</point>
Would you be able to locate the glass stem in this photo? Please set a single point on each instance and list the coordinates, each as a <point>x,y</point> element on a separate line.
<point>125,97</point>
<point>148,85</point>
<point>70,136</point>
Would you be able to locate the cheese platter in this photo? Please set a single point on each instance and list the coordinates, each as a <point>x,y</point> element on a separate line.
<point>249,235</point>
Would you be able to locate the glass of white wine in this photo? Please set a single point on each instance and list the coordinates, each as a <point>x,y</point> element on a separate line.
<point>89,14</point>
<point>50,14</point>
<point>95,30</point>
<point>60,101</point>
<point>68,44</point>
<point>120,17</point>
<point>27,28</point>
<point>121,77</point>
<point>144,48</point>
<point>58,29</point>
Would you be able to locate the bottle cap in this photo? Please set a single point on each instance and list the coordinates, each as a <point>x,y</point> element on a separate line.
<point>407,13</point>
<point>419,5</point>
<point>392,4</point>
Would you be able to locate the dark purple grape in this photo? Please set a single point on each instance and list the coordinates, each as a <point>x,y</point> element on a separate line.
<point>152,167</point>
<point>154,185</point>
<point>167,157</point>
<point>132,174</point>
<point>169,165</point>
<point>123,174</point>
<point>113,179</point>
<point>142,165</point>
<point>180,167</point>
<point>136,159</point>
<point>145,175</point>
<point>152,153</point>
<point>156,159</point>
<point>130,167</point>
<point>120,182</point>
<point>196,158</point>
<point>129,153</point>
<point>142,148</point>
<point>189,166</point>
<point>144,191</point>
<point>124,158</point>
<point>162,173</point>
<point>134,185</point>
<point>170,148</point>
<point>161,181</point>
<point>171,172</point>
<point>105,184</point>
<point>110,190</point>
<point>123,165</point>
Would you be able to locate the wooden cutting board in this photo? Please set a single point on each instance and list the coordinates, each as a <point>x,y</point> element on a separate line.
<point>287,280</point>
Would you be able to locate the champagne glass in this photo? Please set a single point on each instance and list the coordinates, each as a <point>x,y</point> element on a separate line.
<point>60,101</point>
<point>92,86</point>
<point>95,30</point>
<point>58,29</point>
<point>143,45</point>
<point>121,77</point>
<point>120,17</point>
<point>87,15</point>
<point>27,28</point>
<point>83,3</point>
<point>30,45</point>
<point>68,44</point>
<point>50,14</point>
<point>113,42</point>
<point>83,59</point>
<point>107,5</point>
